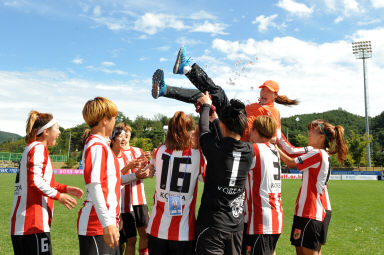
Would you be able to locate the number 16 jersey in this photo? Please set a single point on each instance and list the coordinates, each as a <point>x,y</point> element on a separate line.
<point>177,173</point>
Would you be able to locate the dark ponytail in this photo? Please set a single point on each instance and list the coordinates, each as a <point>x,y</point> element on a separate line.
<point>234,117</point>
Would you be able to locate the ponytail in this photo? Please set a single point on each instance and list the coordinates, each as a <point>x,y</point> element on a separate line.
<point>334,138</point>
<point>86,134</point>
<point>341,147</point>
<point>35,121</point>
<point>284,100</point>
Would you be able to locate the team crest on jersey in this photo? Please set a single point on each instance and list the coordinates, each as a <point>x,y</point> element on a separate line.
<point>237,206</point>
<point>296,233</point>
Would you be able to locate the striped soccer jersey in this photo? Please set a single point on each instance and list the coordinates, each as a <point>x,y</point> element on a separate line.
<point>263,192</point>
<point>125,201</point>
<point>313,195</point>
<point>102,181</point>
<point>35,192</point>
<point>175,170</point>
<point>137,187</point>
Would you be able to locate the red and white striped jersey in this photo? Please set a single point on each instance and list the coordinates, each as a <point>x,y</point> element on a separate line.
<point>137,187</point>
<point>288,148</point>
<point>35,192</point>
<point>175,171</point>
<point>264,213</point>
<point>101,207</point>
<point>125,201</point>
<point>312,196</point>
<point>326,202</point>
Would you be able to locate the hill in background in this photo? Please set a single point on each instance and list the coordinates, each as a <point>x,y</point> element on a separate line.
<point>6,136</point>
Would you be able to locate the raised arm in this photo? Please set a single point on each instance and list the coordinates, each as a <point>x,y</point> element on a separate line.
<point>290,162</point>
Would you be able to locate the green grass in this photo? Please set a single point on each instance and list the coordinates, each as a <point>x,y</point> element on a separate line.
<point>357,224</point>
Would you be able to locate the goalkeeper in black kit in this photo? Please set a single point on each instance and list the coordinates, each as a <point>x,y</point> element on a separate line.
<point>219,228</point>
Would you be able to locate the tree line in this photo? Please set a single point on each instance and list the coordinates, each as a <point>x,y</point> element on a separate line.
<point>149,133</point>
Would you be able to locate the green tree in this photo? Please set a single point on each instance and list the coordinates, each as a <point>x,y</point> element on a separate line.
<point>301,140</point>
<point>357,146</point>
<point>143,143</point>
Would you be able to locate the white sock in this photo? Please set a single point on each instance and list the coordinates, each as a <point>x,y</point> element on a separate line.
<point>187,69</point>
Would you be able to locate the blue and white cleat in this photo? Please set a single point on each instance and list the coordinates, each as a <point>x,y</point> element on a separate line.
<point>158,84</point>
<point>181,61</point>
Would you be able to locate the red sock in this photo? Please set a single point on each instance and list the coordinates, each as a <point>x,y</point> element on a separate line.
<point>143,251</point>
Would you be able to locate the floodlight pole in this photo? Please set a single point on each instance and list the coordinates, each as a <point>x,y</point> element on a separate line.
<point>363,50</point>
<point>366,110</point>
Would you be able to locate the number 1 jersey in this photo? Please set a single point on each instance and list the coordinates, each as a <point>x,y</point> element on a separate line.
<point>176,173</point>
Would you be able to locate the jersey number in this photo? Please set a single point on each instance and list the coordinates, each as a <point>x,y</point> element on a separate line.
<point>277,165</point>
<point>176,174</point>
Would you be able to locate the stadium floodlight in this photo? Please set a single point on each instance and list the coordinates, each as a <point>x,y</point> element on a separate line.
<point>363,50</point>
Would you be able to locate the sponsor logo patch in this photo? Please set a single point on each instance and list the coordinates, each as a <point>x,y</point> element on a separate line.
<point>296,233</point>
<point>249,249</point>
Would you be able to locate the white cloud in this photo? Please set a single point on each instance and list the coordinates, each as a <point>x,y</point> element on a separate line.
<point>202,15</point>
<point>265,22</point>
<point>163,59</point>
<point>368,22</point>
<point>351,6</point>
<point>143,58</point>
<point>107,71</point>
<point>97,10</point>
<point>108,63</point>
<point>212,28</point>
<point>378,3</point>
<point>187,41</point>
<point>112,23</point>
<point>163,48</point>
<point>77,61</point>
<point>326,73</point>
<point>343,8</point>
<point>152,23</point>
<point>43,91</point>
<point>338,19</point>
<point>295,8</point>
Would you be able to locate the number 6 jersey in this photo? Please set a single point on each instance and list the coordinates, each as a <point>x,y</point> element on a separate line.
<point>263,192</point>
<point>177,173</point>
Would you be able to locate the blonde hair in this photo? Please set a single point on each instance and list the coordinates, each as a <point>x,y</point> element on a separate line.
<point>124,126</point>
<point>265,125</point>
<point>35,121</point>
<point>98,108</point>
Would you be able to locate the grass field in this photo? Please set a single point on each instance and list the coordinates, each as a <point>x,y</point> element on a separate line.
<point>357,225</point>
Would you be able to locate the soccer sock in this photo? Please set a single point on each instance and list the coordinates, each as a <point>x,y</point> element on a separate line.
<point>187,69</point>
<point>143,251</point>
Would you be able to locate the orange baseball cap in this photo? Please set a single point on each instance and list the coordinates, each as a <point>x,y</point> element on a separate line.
<point>271,85</point>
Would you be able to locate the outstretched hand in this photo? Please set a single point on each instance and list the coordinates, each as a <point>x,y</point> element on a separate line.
<point>75,191</point>
<point>67,201</point>
<point>205,98</point>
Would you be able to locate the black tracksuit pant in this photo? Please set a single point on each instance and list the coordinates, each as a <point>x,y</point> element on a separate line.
<point>203,83</point>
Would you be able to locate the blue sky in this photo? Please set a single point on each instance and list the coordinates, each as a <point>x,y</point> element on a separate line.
<point>55,55</point>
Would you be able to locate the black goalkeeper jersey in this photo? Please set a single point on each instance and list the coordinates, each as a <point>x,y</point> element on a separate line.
<point>228,163</point>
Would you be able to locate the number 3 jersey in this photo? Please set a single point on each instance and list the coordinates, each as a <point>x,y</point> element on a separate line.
<point>176,173</point>
<point>264,211</point>
<point>313,200</point>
